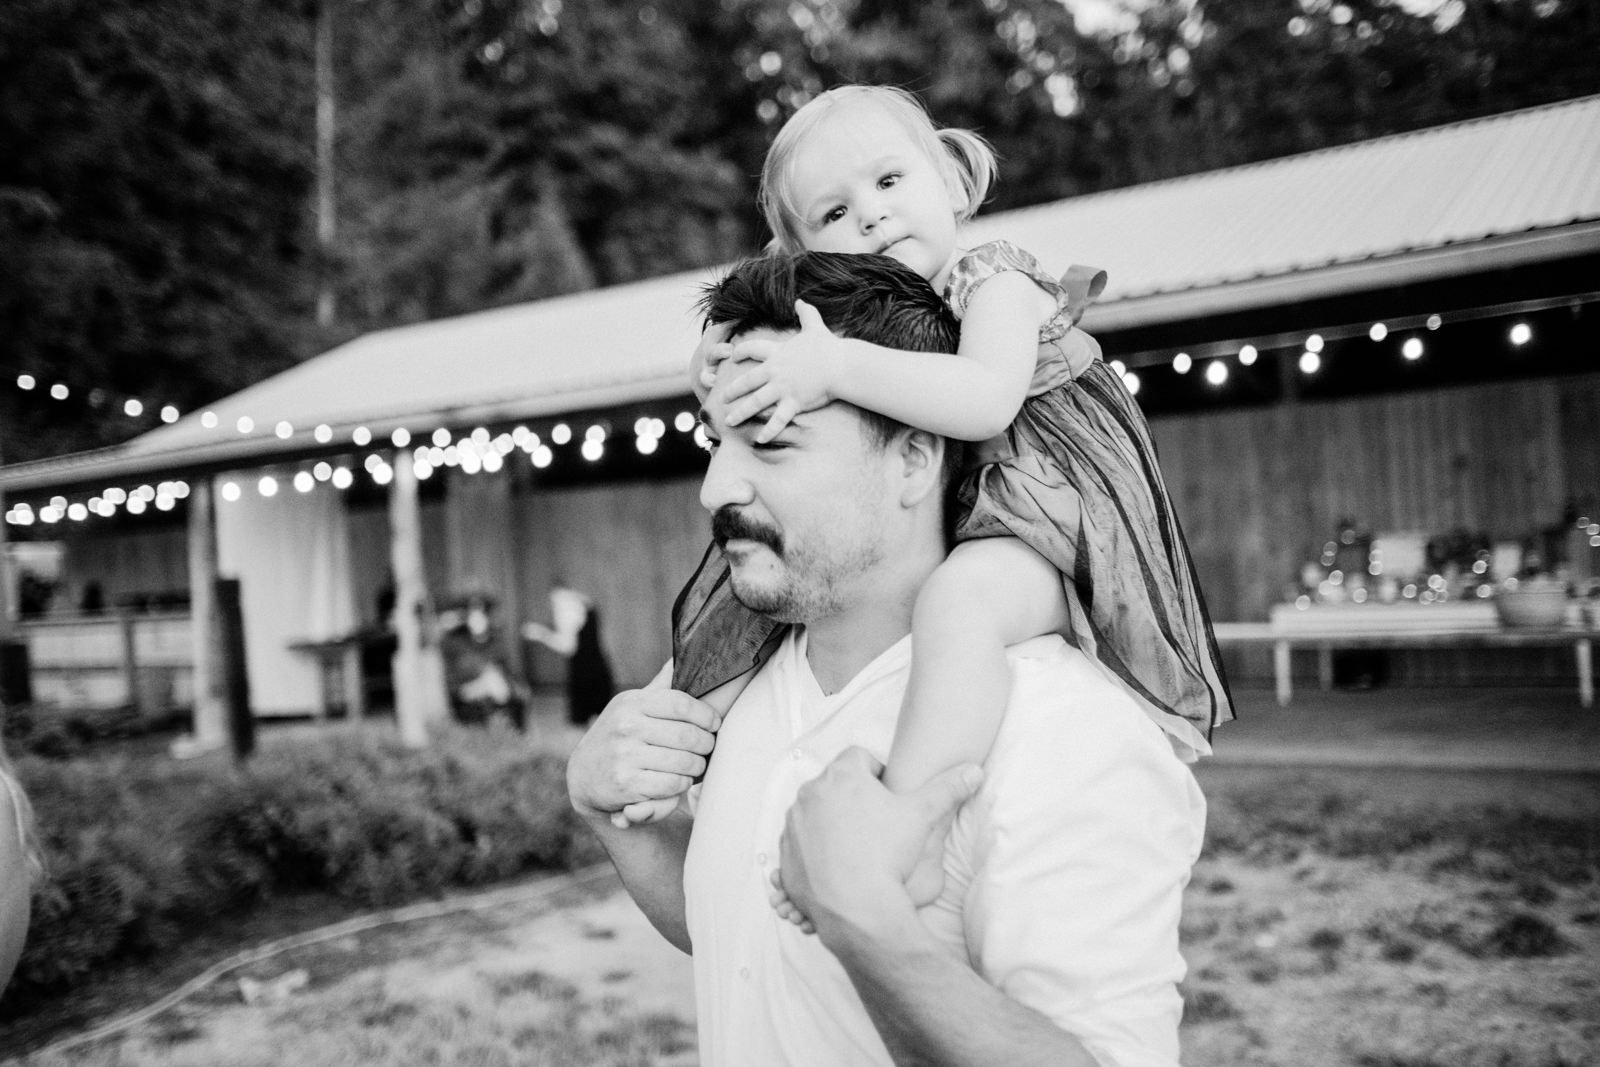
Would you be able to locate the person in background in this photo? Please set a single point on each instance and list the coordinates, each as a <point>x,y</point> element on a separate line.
<point>21,866</point>
<point>576,636</point>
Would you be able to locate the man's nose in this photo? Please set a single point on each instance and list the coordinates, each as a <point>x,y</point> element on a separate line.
<point>724,484</point>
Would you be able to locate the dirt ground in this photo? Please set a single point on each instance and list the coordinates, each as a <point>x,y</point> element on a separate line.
<point>1473,942</point>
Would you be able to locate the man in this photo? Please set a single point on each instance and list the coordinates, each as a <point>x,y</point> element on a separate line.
<point>1055,941</point>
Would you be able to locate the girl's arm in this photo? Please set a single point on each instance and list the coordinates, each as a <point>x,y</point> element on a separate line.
<point>970,396</point>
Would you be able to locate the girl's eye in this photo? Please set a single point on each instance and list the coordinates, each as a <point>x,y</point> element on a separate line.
<point>888,180</point>
<point>833,215</point>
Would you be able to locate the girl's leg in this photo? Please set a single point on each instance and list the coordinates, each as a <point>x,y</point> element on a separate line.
<point>989,594</point>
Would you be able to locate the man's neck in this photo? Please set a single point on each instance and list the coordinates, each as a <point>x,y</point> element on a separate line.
<point>841,645</point>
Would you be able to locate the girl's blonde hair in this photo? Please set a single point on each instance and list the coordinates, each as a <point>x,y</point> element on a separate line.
<point>9,785</point>
<point>967,159</point>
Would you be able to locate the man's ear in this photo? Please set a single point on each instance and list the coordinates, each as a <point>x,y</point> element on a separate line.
<point>922,465</point>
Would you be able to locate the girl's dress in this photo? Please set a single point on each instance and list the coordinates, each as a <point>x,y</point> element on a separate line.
<point>1075,478</point>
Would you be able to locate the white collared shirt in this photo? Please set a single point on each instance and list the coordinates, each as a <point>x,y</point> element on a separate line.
<point>1064,875</point>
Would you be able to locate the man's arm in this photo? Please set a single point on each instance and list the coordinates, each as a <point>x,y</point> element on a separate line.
<point>648,743</point>
<point>847,848</point>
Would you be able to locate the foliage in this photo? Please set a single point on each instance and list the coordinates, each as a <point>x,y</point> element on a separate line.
<point>138,849</point>
<point>156,156</point>
<point>152,188</point>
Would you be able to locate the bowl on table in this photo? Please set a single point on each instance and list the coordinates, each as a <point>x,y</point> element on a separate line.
<point>1532,602</point>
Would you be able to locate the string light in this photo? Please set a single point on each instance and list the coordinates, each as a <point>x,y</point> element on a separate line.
<point>1181,363</point>
<point>561,433</point>
<point>1412,349</point>
<point>542,456</point>
<point>284,430</point>
<point>1314,343</point>
<point>441,437</point>
<point>245,424</point>
<point>304,482</point>
<point>401,437</point>
<point>169,414</point>
<point>342,478</point>
<point>230,491</point>
<point>25,381</point>
<point>59,391</point>
<point>323,433</point>
<point>1310,363</point>
<point>593,449</point>
<point>1247,355</point>
<point>208,419</point>
<point>1216,372</point>
<point>1131,380</point>
<point>1521,334</point>
<point>1378,331</point>
<point>1434,322</point>
<point>361,437</point>
<point>267,486</point>
<point>683,422</point>
<point>133,407</point>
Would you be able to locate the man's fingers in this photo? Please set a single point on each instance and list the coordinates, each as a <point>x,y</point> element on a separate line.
<point>946,791</point>
<point>669,705</point>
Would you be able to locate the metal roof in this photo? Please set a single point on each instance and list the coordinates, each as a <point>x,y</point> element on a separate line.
<point>1492,192</point>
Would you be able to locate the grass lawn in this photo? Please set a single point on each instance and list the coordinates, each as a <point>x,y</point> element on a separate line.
<point>1369,918</point>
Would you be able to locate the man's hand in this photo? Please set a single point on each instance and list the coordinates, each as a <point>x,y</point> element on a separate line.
<point>795,374</point>
<point>648,744</point>
<point>849,843</point>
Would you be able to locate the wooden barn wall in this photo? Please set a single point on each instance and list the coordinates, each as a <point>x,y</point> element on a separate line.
<point>127,564</point>
<point>629,546</point>
<point>1258,491</point>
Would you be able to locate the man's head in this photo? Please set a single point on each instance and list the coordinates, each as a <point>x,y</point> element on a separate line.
<point>844,501</point>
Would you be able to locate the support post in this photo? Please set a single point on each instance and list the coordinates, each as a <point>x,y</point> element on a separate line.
<point>419,692</point>
<point>210,710</point>
<point>1280,671</point>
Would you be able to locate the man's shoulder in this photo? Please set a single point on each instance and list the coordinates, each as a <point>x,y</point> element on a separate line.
<point>1065,699</point>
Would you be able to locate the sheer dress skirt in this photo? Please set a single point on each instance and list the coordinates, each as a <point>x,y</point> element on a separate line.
<point>1078,482</point>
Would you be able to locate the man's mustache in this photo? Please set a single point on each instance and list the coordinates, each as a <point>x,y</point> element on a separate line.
<point>729,524</point>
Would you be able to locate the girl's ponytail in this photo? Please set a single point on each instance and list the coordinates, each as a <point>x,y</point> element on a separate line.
<point>973,167</point>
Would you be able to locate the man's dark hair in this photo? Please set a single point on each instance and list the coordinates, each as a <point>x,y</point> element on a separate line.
<point>865,297</point>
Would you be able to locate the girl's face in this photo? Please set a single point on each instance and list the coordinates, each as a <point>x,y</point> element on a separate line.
<point>863,184</point>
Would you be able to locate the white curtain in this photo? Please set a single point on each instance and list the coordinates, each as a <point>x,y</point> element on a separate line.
<point>291,554</point>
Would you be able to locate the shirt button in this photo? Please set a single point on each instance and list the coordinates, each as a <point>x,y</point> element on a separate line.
<point>761,858</point>
<point>795,753</point>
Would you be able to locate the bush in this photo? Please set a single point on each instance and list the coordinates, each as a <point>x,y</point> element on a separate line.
<point>138,849</point>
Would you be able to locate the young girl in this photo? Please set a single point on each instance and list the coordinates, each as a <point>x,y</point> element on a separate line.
<point>1065,524</point>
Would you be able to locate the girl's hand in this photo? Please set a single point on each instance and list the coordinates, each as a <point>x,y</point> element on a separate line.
<point>711,351</point>
<point>796,374</point>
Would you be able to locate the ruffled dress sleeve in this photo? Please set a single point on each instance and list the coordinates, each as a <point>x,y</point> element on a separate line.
<point>997,257</point>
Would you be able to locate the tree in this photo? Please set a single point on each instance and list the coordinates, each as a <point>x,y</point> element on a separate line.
<point>152,208</point>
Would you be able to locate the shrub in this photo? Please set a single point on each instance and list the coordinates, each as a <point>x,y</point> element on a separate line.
<point>138,849</point>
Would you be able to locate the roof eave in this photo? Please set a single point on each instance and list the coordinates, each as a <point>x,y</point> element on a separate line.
<point>81,469</point>
<point>1339,279</point>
